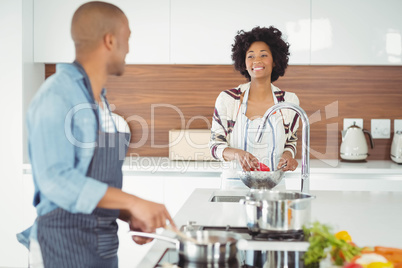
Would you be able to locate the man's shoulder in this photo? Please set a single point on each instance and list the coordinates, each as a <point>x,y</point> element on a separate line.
<point>64,82</point>
<point>61,87</point>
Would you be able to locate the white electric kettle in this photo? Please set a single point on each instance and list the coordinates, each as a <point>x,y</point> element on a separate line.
<point>396,147</point>
<point>354,145</point>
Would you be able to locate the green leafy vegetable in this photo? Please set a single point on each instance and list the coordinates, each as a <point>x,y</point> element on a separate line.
<point>322,242</point>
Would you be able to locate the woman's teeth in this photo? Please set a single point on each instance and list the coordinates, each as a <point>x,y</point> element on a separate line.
<point>258,68</point>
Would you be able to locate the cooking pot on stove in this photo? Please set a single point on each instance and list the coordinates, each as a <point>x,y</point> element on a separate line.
<point>276,211</point>
<point>211,246</point>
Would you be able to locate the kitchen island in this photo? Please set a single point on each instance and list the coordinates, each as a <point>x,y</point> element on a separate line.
<point>372,218</point>
<point>172,182</point>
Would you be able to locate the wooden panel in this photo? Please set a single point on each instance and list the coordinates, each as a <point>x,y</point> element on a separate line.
<point>156,98</point>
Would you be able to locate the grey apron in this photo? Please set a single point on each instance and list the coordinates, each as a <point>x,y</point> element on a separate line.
<point>87,240</point>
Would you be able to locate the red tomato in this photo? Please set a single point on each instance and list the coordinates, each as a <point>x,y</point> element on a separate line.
<point>263,167</point>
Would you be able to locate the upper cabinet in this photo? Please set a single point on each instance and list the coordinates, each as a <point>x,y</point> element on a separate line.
<point>202,32</point>
<point>343,32</point>
<point>149,24</point>
<point>357,32</point>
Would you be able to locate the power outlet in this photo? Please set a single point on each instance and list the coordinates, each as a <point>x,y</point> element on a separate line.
<point>347,122</point>
<point>397,125</point>
<point>381,128</point>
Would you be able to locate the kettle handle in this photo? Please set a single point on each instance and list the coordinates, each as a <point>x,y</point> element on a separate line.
<point>370,137</point>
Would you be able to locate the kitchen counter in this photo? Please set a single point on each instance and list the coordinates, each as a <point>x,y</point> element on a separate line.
<point>156,164</point>
<point>325,175</point>
<point>153,165</point>
<point>371,218</point>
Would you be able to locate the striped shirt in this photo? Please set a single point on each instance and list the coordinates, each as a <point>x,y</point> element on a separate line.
<point>224,118</point>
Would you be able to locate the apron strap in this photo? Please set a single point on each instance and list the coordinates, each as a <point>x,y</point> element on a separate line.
<point>87,84</point>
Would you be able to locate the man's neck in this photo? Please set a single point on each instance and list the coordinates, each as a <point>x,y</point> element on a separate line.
<point>97,76</point>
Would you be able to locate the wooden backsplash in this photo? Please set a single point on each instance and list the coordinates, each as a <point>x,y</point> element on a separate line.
<point>157,98</point>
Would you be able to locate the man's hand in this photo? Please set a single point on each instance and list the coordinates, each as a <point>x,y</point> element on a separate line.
<point>141,215</point>
<point>147,216</point>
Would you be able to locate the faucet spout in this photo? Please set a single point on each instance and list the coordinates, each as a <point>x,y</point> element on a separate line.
<point>305,170</point>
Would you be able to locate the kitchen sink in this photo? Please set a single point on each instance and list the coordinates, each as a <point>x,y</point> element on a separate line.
<point>228,196</point>
<point>229,199</point>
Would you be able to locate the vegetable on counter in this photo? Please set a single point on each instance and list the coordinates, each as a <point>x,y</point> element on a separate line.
<point>322,241</point>
<point>344,252</point>
<point>394,255</point>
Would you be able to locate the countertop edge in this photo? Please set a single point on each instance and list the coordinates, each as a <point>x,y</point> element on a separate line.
<point>154,165</point>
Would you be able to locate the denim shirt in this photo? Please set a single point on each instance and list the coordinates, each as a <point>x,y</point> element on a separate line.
<point>63,129</point>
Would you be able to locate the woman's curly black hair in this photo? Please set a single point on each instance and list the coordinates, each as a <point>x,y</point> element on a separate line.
<point>273,38</point>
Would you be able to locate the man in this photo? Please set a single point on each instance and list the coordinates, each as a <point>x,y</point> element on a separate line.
<point>74,149</point>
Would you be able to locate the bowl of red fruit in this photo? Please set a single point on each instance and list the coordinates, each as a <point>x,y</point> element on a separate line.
<point>263,178</point>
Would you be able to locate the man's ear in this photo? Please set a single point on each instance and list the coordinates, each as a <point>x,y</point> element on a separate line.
<point>109,41</point>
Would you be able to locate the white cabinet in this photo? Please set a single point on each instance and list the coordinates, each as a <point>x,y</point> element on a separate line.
<point>357,32</point>
<point>149,23</point>
<point>177,31</point>
<point>202,32</point>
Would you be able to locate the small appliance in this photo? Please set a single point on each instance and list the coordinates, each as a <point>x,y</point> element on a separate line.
<point>354,146</point>
<point>396,147</point>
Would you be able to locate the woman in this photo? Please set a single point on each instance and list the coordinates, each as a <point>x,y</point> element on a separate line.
<point>261,55</point>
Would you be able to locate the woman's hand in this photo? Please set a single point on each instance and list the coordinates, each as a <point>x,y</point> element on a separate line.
<point>248,162</point>
<point>291,163</point>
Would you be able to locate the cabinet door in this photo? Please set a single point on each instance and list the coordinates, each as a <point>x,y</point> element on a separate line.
<point>202,32</point>
<point>149,24</point>
<point>357,32</point>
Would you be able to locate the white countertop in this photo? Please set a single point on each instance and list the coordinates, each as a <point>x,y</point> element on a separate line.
<point>371,218</point>
<point>327,174</point>
<point>154,164</point>
<point>164,164</point>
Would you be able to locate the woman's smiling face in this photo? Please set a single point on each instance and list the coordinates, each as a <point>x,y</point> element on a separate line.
<point>259,61</point>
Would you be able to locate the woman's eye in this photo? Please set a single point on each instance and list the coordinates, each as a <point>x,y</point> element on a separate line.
<point>264,55</point>
<point>250,56</point>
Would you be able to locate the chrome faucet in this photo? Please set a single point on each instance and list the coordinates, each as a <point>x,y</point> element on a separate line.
<point>305,171</point>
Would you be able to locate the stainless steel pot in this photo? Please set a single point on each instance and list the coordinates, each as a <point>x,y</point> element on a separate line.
<point>211,246</point>
<point>281,211</point>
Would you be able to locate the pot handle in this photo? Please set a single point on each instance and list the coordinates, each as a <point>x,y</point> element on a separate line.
<point>155,236</point>
<point>370,137</point>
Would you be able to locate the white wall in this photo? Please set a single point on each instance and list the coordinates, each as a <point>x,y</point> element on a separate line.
<point>19,78</point>
<point>11,132</point>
